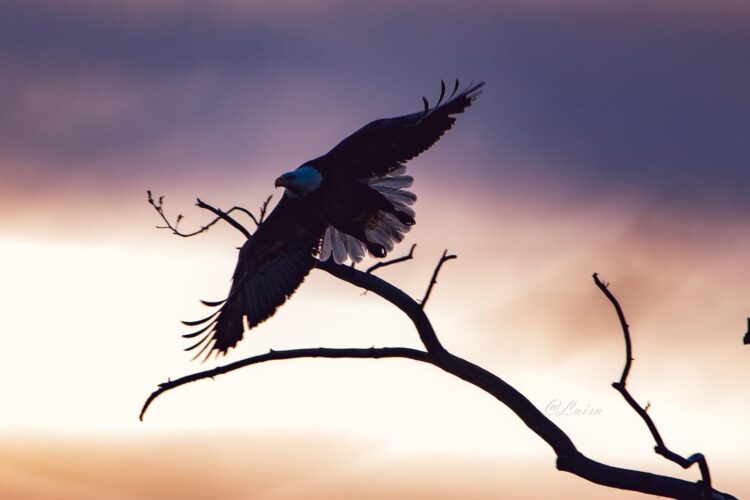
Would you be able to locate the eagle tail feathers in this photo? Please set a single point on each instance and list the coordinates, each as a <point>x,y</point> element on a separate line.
<point>342,246</point>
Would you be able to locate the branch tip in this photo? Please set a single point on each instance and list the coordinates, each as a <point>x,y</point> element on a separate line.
<point>661,447</point>
<point>318,352</point>
<point>433,281</point>
<point>397,260</point>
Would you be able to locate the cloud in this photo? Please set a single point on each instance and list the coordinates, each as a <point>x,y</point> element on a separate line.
<point>632,91</point>
<point>620,96</point>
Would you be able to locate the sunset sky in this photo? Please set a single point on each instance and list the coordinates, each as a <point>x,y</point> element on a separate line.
<point>611,137</point>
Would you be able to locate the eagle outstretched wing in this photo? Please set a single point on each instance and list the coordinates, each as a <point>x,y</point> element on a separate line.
<point>382,146</point>
<point>271,265</point>
<point>360,202</point>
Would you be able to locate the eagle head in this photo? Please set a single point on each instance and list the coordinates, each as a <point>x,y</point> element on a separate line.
<point>301,181</point>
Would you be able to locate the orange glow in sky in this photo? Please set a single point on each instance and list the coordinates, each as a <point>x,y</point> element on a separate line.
<point>591,150</point>
<point>110,333</point>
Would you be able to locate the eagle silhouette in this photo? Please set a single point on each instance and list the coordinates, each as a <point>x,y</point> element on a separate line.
<point>351,201</point>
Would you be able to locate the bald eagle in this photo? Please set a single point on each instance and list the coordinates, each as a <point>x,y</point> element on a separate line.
<point>350,202</point>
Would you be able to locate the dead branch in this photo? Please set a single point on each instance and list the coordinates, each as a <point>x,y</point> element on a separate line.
<point>158,205</point>
<point>445,257</point>
<point>569,459</point>
<point>225,215</point>
<point>263,209</point>
<point>321,352</point>
<point>660,447</point>
<point>392,294</point>
<point>397,260</point>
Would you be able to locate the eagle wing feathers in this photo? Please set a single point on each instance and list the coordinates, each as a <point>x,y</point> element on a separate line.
<point>365,178</point>
<point>270,267</point>
<point>384,145</point>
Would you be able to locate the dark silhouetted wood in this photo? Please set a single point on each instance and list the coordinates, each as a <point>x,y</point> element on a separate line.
<point>569,459</point>
<point>390,262</point>
<point>321,352</point>
<point>660,447</point>
<point>158,205</point>
<point>433,281</point>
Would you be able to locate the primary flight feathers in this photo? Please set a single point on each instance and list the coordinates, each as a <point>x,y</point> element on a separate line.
<point>351,201</point>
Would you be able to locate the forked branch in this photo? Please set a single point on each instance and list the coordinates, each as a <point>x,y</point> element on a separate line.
<point>225,215</point>
<point>158,205</point>
<point>568,457</point>
<point>620,386</point>
<point>390,262</point>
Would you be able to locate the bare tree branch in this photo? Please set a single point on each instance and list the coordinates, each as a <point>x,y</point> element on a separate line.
<point>397,260</point>
<point>224,215</point>
<point>263,209</point>
<point>320,352</point>
<point>392,294</point>
<point>746,340</point>
<point>660,447</point>
<point>569,459</point>
<point>445,257</point>
<point>158,205</point>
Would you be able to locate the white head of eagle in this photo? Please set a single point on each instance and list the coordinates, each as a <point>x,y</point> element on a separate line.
<point>348,203</point>
<point>301,181</point>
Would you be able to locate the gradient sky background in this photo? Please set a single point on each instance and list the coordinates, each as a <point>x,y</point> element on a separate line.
<point>612,136</point>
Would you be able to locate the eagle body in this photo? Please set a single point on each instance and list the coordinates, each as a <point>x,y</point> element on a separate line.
<point>348,203</point>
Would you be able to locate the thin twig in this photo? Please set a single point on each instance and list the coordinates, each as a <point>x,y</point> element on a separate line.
<point>625,327</point>
<point>320,352</point>
<point>224,215</point>
<point>660,447</point>
<point>158,205</point>
<point>385,263</point>
<point>263,209</point>
<point>443,259</point>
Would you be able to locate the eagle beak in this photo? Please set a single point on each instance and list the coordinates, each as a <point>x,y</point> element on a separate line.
<point>281,181</point>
